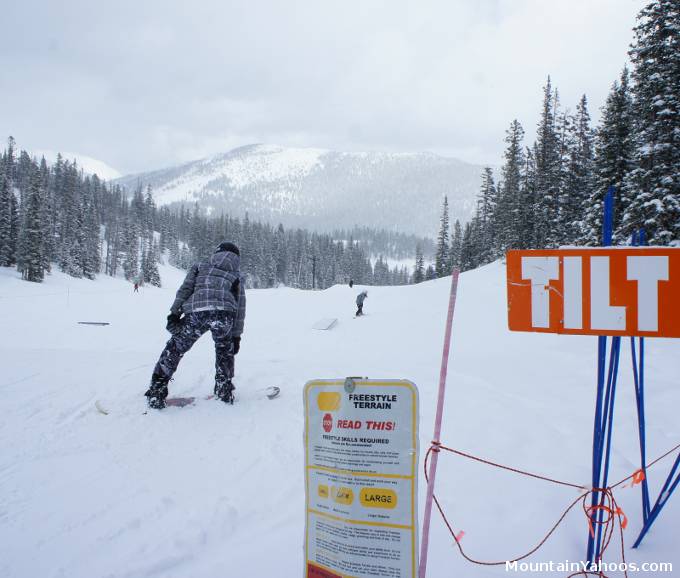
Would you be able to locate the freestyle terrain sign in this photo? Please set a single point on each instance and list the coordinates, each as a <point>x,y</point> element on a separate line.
<point>627,291</point>
<point>361,474</point>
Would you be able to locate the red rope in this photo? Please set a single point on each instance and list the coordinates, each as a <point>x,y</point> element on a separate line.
<point>608,504</point>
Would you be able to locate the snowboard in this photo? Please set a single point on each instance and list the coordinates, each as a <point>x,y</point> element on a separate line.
<point>270,392</point>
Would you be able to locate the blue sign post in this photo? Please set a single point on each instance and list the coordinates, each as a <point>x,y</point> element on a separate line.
<point>607,372</point>
<point>649,515</point>
<point>604,407</point>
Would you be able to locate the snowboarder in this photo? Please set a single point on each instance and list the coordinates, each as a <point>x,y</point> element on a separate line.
<point>360,302</point>
<point>213,298</point>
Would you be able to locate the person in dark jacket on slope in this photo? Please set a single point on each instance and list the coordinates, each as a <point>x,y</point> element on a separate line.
<point>360,303</point>
<point>212,298</point>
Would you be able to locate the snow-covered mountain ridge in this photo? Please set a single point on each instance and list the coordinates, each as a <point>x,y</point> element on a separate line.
<point>322,189</point>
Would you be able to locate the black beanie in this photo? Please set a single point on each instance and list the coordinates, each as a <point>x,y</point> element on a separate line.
<point>227,246</point>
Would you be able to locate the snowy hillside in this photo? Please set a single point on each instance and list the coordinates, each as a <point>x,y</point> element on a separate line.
<point>89,165</point>
<point>322,189</point>
<point>214,490</point>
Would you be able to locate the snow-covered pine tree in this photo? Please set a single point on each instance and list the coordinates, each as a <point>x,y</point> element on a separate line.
<point>185,257</point>
<point>131,249</point>
<point>281,255</point>
<point>155,277</point>
<point>653,186</point>
<point>91,245</point>
<point>564,133</point>
<point>486,208</point>
<point>381,272</point>
<point>174,254</point>
<point>32,232</point>
<point>508,207</point>
<point>613,149</point>
<point>405,277</point>
<point>14,226</point>
<point>80,233</point>
<point>149,213</point>
<point>468,257</point>
<point>456,245</point>
<point>23,179</point>
<point>269,267</point>
<point>47,218</point>
<point>150,272</point>
<point>143,266</point>
<point>578,178</point>
<point>526,223</point>
<point>5,217</point>
<point>441,260</point>
<point>546,179</point>
<point>419,269</point>
<point>70,235</point>
<point>7,207</point>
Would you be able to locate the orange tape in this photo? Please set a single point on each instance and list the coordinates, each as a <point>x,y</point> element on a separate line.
<point>638,478</point>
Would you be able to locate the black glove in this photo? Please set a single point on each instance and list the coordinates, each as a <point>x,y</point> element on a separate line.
<point>174,323</point>
<point>236,345</point>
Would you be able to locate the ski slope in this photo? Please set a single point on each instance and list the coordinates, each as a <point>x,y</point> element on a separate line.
<point>217,491</point>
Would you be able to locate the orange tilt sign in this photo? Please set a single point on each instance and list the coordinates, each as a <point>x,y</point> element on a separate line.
<point>631,291</point>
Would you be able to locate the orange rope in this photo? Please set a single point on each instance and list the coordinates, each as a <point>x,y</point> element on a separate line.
<point>613,513</point>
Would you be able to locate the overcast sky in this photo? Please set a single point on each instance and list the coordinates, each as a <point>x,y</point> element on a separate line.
<point>143,85</point>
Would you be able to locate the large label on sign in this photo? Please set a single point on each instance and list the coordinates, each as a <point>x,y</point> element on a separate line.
<point>361,460</point>
<point>627,291</point>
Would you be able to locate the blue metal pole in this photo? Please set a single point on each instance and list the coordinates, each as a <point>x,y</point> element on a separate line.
<point>607,426</point>
<point>597,433</point>
<point>638,377</point>
<point>643,426</point>
<point>638,238</point>
<point>642,240</point>
<point>668,488</point>
<point>600,407</point>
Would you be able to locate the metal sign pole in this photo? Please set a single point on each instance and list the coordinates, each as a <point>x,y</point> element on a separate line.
<point>668,488</point>
<point>604,406</point>
<point>638,361</point>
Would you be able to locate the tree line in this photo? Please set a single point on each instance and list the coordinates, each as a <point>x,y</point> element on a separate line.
<point>551,193</point>
<point>57,216</point>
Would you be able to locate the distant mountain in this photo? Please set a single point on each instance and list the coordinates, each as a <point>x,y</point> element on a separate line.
<point>89,165</point>
<point>320,189</point>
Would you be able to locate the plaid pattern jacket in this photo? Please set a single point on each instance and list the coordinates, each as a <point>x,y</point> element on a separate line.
<point>214,285</point>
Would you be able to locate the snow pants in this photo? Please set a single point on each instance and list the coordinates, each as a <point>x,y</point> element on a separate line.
<point>193,326</point>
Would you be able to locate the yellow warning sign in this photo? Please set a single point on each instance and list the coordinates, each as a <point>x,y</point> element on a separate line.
<point>361,460</point>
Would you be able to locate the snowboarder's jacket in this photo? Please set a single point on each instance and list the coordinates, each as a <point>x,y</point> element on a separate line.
<point>361,297</point>
<point>214,285</point>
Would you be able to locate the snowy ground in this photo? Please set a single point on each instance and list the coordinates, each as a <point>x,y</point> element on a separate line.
<point>212,490</point>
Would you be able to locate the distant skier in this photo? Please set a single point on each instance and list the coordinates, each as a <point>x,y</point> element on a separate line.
<point>360,302</point>
<point>136,287</point>
<point>351,283</point>
<point>213,298</point>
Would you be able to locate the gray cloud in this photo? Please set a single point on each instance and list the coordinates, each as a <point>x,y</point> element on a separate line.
<point>142,85</point>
